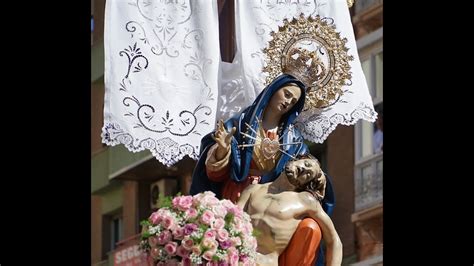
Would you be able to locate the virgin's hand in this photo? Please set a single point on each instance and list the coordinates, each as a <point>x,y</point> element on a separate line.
<point>223,139</point>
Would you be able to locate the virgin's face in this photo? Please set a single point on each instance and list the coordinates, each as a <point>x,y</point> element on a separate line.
<point>284,99</point>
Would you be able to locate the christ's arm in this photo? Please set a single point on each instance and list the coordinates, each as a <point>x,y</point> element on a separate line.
<point>245,196</point>
<point>330,236</point>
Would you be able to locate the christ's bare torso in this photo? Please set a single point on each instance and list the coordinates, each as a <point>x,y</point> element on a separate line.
<point>276,210</point>
<point>276,216</point>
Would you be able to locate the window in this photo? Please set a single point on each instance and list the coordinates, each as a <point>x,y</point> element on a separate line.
<point>116,229</point>
<point>372,67</point>
<point>112,231</point>
<point>368,135</point>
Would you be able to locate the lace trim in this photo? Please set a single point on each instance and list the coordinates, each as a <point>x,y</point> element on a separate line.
<point>167,151</point>
<point>317,127</point>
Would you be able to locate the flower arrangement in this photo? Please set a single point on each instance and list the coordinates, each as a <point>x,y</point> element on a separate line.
<point>199,230</point>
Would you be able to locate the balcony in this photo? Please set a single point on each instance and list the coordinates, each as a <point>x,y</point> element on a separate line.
<point>369,182</point>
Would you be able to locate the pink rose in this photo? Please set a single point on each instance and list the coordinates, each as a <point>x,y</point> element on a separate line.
<point>210,234</point>
<point>207,217</point>
<point>232,250</point>
<point>196,250</point>
<point>167,222</point>
<point>236,241</point>
<point>218,224</point>
<point>209,243</point>
<point>164,237</point>
<point>197,199</point>
<point>219,211</point>
<point>233,259</point>
<point>236,211</point>
<point>209,194</point>
<point>175,202</point>
<point>182,252</point>
<point>155,218</point>
<point>238,225</point>
<point>222,234</point>
<point>191,213</point>
<point>208,255</point>
<point>187,243</point>
<point>178,233</point>
<point>208,200</point>
<point>153,241</point>
<point>185,202</point>
<point>171,248</point>
<point>227,204</point>
<point>213,201</point>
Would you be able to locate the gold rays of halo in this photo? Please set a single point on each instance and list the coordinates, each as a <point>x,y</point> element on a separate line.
<point>325,69</point>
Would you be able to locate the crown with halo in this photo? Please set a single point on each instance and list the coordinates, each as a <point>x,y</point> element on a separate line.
<point>311,50</point>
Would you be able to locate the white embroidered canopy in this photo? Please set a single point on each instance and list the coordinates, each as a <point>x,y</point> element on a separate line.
<point>161,68</point>
<point>269,30</point>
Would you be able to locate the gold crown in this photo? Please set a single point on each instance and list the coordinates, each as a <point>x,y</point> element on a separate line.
<point>324,67</point>
<point>304,65</point>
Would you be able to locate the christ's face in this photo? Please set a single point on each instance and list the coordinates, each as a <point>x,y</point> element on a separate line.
<point>300,172</point>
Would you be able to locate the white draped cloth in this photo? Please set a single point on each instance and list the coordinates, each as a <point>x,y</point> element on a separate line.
<point>161,75</point>
<point>255,20</point>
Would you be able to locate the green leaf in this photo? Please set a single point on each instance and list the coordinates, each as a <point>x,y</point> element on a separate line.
<point>145,223</point>
<point>164,201</point>
<point>229,218</point>
<point>145,235</point>
<point>203,227</point>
